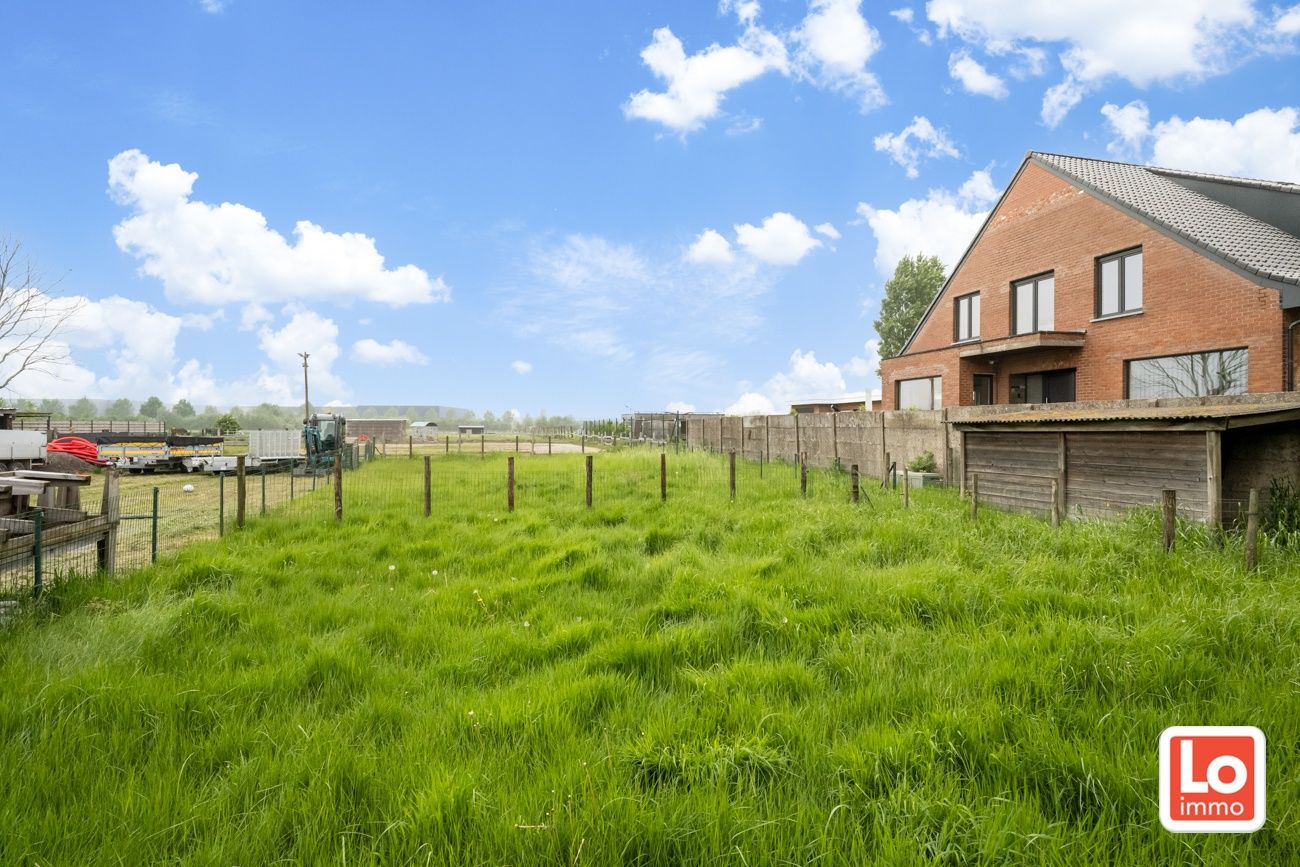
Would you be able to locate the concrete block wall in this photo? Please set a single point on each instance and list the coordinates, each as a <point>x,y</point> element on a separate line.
<point>860,438</point>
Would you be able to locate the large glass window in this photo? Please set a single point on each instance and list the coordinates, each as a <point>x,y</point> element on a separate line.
<point>1198,373</point>
<point>1119,283</point>
<point>926,393</point>
<point>1052,386</point>
<point>1034,304</point>
<point>967,317</point>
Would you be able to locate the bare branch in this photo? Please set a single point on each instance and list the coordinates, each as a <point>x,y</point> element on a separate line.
<point>31,317</point>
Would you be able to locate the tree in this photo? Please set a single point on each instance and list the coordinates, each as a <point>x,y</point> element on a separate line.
<point>120,410</point>
<point>53,406</point>
<point>907,295</point>
<point>83,408</point>
<point>153,408</point>
<point>30,318</point>
<point>227,423</point>
<point>183,408</point>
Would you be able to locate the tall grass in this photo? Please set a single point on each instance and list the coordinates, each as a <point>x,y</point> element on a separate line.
<point>770,680</point>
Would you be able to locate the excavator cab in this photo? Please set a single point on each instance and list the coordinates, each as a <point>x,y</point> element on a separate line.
<point>324,438</point>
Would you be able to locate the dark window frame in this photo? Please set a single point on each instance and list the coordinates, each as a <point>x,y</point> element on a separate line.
<point>1071,372</point>
<point>898,389</point>
<point>1119,256</point>
<point>1034,280</point>
<point>956,318</point>
<point>1245,384</point>
<point>993,388</point>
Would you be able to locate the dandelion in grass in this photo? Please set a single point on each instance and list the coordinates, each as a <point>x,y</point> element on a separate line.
<point>785,620</point>
<point>527,624</point>
<point>435,573</point>
<point>392,568</point>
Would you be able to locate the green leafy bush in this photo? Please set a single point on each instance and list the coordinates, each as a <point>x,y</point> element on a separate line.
<point>923,463</point>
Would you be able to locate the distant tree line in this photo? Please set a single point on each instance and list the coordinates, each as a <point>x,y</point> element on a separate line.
<point>267,416</point>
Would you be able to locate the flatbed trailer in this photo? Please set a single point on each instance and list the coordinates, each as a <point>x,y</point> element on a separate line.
<point>154,453</point>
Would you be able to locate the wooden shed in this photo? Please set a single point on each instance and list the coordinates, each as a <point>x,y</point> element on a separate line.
<point>1106,461</point>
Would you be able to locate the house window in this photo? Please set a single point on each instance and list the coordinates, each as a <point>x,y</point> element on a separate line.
<point>966,320</point>
<point>1119,283</point>
<point>1052,386</point>
<point>1198,373</point>
<point>1034,304</point>
<point>926,393</point>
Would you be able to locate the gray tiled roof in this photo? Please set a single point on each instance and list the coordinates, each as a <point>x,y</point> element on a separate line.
<point>1224,231</point>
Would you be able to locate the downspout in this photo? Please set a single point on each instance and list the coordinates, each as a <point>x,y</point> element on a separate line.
<point>1290,355</point>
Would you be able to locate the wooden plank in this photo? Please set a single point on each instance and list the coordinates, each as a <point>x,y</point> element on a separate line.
<point>66,534</point>
<point>60,478</point>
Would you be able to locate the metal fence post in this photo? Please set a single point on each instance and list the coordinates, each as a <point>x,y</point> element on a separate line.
<point>38,565</point>
<point>855,489</point>
<point>263,489</point>
<point>153,530</point>
<point>663,477</point>
<point>221,504</point>
<point>510,483</point>
<point>732,474</point>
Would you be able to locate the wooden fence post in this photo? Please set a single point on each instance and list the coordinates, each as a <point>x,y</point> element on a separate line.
<point>974,495</point>
<point>803,475</point>
<point>732,474</point>
<point>663,477</point>
<point>853,475</point>
<point>510,484</point>
<point>884,475</point>
<point>410,446</point>
<point>109,507</point>
<point>241,492</point>
<point>584,444</point>
<point>516,443</point>
<point>1056,503</point>
<point>338,488</point>
<point>549,449</point>
<point>589,474</point>
<point>482,443</point>
<point>1168,517</point>
<point>1252,531</point>
<point>428,487</point>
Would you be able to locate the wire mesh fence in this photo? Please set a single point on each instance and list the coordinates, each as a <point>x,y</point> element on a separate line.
<point>157,516</point>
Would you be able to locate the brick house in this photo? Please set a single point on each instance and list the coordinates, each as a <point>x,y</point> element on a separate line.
<point>1098,280</point>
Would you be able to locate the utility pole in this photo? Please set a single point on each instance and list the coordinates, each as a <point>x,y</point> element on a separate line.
<point>306,402</point>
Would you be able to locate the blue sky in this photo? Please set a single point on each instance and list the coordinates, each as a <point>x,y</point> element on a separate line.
<point>573,207</point>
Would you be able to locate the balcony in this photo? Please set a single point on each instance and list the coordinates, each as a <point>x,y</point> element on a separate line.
<point>1036,340</point>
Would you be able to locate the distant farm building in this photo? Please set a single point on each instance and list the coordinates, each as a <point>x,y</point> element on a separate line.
<point>385,430</point>
<point>843,403</point>
<point>475,429</point>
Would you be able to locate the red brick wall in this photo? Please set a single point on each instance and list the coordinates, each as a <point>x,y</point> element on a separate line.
<point>1190,303</point>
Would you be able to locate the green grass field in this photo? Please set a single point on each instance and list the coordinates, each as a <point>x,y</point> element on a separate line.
<point>770,681</point>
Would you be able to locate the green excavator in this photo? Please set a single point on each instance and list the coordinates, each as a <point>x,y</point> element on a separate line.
<point>324,437</point>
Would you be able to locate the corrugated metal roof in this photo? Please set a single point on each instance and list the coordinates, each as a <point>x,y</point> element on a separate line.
<point>1248,243</point>
<point>1154,413</point>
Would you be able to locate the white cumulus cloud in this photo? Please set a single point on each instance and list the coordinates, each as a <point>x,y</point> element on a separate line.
<point>697,83</point>
<point>370,351</point>
<point>942,224</point>
<point>827,230</point>
<point>521,367</point>
<point>781,239</point>
<point>804,378</point>
<point>1158,41</point>
<point>834,45</point>
<point>711,248</point>
<point>221,254</point>
<point>919,140</point>
<point>1264,143</point>
<point>680,406</point>
<point>973,77</point>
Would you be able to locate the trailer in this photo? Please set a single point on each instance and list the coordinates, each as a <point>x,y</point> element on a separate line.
<point>152,453</point>
<point>269,451</point>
